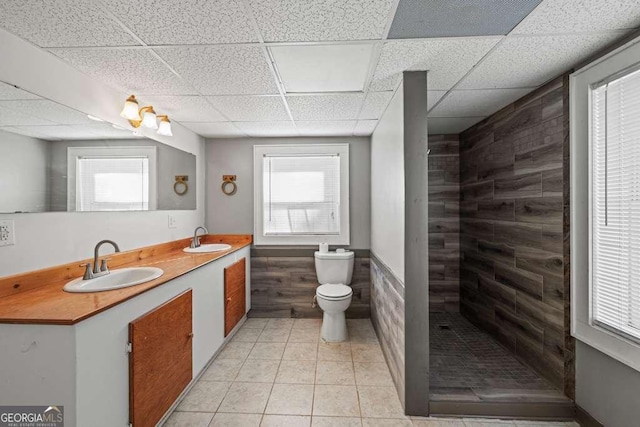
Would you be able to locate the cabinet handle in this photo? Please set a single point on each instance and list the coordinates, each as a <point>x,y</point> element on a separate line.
<point>190,335</point>
<point>228,299</point>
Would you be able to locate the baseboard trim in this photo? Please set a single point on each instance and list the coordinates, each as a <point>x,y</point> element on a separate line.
<point>585,419</point>
<point>529,411</point>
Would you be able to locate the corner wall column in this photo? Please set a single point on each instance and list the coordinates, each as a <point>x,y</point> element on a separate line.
<point>416,244</point>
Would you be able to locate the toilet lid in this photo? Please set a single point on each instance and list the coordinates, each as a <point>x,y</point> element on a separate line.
<point>334,291</point>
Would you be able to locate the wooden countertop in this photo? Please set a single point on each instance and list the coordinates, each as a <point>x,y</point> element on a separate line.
<point>37,297</point>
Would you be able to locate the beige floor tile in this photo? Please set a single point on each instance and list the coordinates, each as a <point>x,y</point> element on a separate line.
<point>258,371</point>
<point>304,335</point>
<point>437,422</point>
<point>301,351</point>
<point>290,399</point>
<point>247,335</point>
<point>235,350</point>
<point>285,421</point>
<point>336,400</point>
<point>385,422</point>
<point>544,424</point>
<point>246,398</point>
<point>255,323</point>
<point>222,370</point>
<point>189,419</point>
<point>267,350</point>
<point>307,324</point>
<point>380,402</point>
<point>367,352</point>
<point>330,372</point>
<point>373,374</point>
<point>274,335</point>
<point>236,420</point>
<point>297,372</point>
<point>500,423</point>
<point>280,323</point>
<point>204,396</point>
<point>336,422</point>
<point>340,351</point>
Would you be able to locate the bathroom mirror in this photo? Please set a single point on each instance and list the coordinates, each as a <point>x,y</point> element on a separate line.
<point>54,158</point>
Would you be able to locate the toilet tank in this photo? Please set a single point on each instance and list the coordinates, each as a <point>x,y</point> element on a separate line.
<point>334,267</point>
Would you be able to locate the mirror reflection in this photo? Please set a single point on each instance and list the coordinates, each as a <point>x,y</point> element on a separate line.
<point>54,158</point>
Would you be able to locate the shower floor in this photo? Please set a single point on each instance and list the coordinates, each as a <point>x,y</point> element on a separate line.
<point>468,365</point>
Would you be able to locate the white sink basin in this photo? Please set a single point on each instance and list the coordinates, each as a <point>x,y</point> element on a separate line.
<point>116,279</point>
<point>210,247</point>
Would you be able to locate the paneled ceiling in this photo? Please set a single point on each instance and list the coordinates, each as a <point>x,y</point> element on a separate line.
<point>233,68</point>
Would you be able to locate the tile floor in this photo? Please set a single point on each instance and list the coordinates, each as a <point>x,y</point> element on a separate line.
<point>277,372</point>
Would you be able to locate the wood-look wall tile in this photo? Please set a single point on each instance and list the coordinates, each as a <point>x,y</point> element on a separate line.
<point>542,210</point>
<point>496,169</point>
<point>500,210</point>
<point>518,279</point>
<point>497,252</point>
<point>518,234</point>
<point>539,262</point>
<point>539,313</point>
<point>552,183</point>
<point>271,278</point>
<point>523,118</point>
<point>470,278</point>
<point>529,185</point>
<point>478,263</point>
<point>477,191</point>
<point>290,264</point>
<point>436,241</point>
<point>444,193</point>
<point>468,209</point>
<point>436,209</point>
<point>452,209</point>
<point>552,238</point>
<point>444,226</point>
<point>521,328</point>
<point>553,292</point>
<point>449,144</point>
<point>436,177</point>
<point>477,228</point>
<point>545,158</point>
<point>498,292</point>
<point>468,243</point>
<point>552,104</point>
<point>259,263</point>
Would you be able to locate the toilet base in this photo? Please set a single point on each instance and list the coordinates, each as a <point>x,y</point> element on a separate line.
<point>334,327</point>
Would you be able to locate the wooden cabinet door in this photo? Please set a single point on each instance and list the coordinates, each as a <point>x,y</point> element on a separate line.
<point>160,363</point>
<point>235,295</point>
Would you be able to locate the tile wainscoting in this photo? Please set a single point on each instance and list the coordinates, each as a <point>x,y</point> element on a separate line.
<point>284,282</point>
<point>514,212</point>
<point>387,316</point>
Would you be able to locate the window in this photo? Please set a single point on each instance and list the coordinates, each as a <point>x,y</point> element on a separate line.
<point>615,205</point>
<point>605,204</point>
<point>111,179</point>
<point>301,194</point>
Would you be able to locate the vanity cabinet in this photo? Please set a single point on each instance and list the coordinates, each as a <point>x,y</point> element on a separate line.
<point>160,360</point>
<point>235,286</point>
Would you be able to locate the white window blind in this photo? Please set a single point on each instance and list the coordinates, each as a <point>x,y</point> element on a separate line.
<point>615,205</point>
<point>112,184</point>
<point>301,194</point>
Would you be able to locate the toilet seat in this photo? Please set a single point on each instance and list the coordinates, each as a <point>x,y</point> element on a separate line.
<point>334,292</point>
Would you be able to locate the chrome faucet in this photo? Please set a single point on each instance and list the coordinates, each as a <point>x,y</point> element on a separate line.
<point>103,270</point>
<point>195,243</point>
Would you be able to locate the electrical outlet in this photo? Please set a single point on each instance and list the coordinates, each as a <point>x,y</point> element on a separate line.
<point>7,233</point>
<point>172,221</point>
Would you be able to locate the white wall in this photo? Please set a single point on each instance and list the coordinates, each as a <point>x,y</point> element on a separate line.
<point>46,239</point>
<point>23,173</point>
<point>387,187</point>
<point>234,214</point>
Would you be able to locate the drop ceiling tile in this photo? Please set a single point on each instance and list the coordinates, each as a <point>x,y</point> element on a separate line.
<point>189,108</point>
<point>24,130</point>
<point>374,105</point>
<point>313,20</point>
<point>107,131</point>
<point>447,60</point>
<point>344,106</point>
<point>223,70</point>
<point>437,18</point>
<point>9,117</point>
<point>323,68</point>
<point>449,125</point>
<point>483,102</point>
<point>9,92</point>
<point>47,110</point>
<point>326,128</point>
<point>58,132</point>
<point>268,129</point>
<point>251,108</point>
<point>186,21</point>
<point>562,16</point>
<point>62,23</point>
<point>433,96</point>
<point>365,127</point>
<point>531,61</point>
<point>131,70</point>
<point>214,130</point>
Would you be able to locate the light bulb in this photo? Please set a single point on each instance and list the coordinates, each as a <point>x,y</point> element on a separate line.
<point>130,110</point>
<point>149,119</point>
<point>165,126</point>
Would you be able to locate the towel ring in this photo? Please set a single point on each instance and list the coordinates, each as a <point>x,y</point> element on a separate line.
<point>180,187</point>
<point>229,180</point>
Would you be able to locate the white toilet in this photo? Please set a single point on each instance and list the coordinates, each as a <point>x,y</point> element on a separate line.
<point>334,271</point>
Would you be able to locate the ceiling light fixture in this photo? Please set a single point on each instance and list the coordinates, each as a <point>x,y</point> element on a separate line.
<point>146,117</point>
<point>165,126</point>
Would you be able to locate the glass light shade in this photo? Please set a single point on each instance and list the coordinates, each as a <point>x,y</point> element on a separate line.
<point>130,110</point>
<point>149,120</point>
<point>165,127</point>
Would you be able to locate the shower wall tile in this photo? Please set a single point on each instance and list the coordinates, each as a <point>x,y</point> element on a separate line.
<point>514,280</point>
